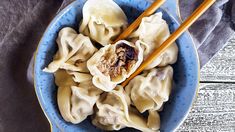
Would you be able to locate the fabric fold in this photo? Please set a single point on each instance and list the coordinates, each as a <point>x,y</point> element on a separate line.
<point>213,29</point>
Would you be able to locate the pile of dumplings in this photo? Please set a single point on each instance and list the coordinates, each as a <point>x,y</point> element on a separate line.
<point>88,78</point>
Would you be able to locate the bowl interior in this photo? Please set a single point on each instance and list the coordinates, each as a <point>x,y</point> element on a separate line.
<point>185,70</point>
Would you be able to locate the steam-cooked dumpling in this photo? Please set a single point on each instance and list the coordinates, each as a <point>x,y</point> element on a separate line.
<point>103,21</point>
<point>110,112</point>
<point>75,101</point>
<point>153,120</point>
<point>151,89</point>
<point>74,50</point>
<point>80,77</point>
<point>152,32</point>
<point>114,112</point>
<point>112,64</point>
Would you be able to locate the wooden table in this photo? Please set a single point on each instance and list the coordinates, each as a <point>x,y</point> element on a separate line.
<point>214,108</point>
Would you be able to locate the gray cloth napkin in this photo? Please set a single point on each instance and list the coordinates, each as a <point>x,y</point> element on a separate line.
<point>213,29</point>
<point>22,23</point>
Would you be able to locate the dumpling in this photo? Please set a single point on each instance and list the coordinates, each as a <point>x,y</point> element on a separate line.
<point>103,21</point>
<point>63,79</point>
<point>114,112</point>
<point>153,120</point>
<point>75,100</point>
<point>152,32</point>
<point>110,111</point>
<point>73,53</point>
<point>151,89</point>
<point>80,77</point>
<point>112,64</point>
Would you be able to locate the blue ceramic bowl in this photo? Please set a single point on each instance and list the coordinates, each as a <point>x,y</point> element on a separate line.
<point>186,70</point>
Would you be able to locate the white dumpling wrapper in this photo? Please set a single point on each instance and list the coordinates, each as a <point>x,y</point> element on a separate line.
<point>151,89</point>
<point>103,21</point>
<point>152,32</point>
<point>102,64</point>
<point>153,120</point>
<point>80,77</point>
<point>73,52</point>
<point>75,101</point>
<point>114,112</point>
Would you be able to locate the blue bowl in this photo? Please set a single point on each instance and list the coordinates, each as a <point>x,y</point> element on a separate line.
<point>186,70</point>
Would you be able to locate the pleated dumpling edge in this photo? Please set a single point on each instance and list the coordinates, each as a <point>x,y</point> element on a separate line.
<point>73,52</point>
<point>103,21</point>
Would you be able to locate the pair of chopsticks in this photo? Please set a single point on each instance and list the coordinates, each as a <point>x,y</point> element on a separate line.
<point>183,27</point>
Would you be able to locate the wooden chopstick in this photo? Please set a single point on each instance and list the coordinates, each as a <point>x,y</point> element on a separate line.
<point>155,5</point>
<point>184,26</point>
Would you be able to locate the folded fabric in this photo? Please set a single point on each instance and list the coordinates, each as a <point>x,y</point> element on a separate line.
<point>213,29</point>
<point>22,23</point>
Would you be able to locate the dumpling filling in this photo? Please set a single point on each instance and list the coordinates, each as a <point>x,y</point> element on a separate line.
<point>122,61</point>
<point>112,64</point>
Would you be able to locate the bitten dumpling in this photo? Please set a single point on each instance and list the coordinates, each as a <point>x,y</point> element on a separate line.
<point>151,89</point>
<point>112,64</point>
<point>103,21</point>
<point>73,52</point>
<point>75,100</point>
<point>152,32</point>
<point>114,112</point>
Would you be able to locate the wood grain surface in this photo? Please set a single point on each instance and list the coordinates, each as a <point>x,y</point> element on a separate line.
<point>221,67</point>
<point>214,108</point>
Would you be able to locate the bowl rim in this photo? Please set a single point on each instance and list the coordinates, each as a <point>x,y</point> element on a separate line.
<point>53,20</point>
<point>63,11</point>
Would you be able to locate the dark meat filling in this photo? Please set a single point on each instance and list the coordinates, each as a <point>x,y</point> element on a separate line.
<point>119,63</point>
